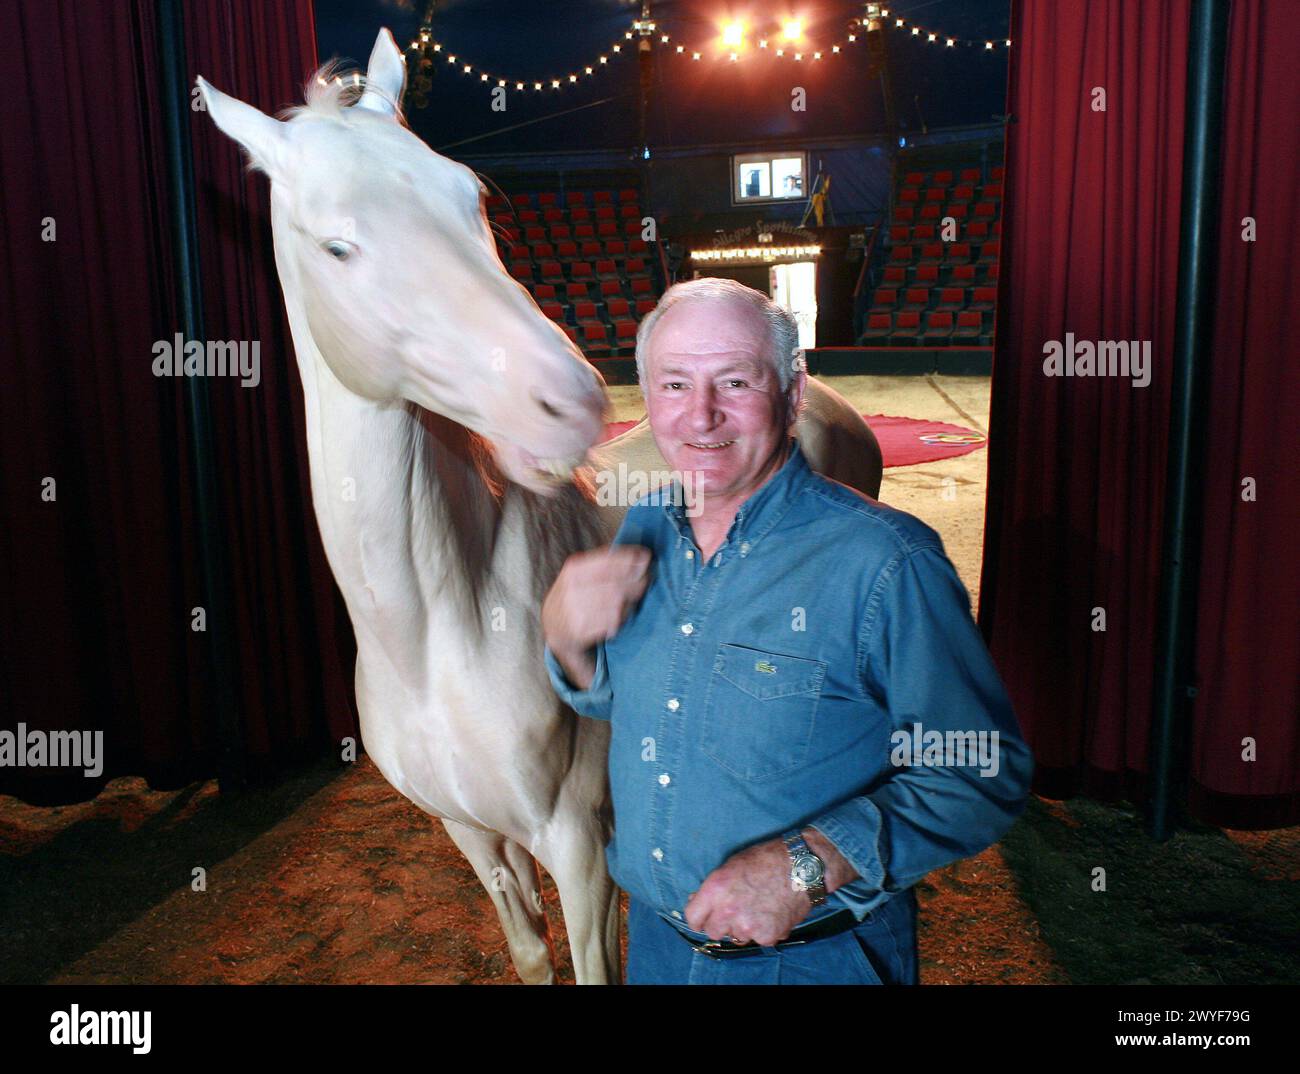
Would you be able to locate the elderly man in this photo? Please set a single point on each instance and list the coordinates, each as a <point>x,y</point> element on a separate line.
<point>805,720</point>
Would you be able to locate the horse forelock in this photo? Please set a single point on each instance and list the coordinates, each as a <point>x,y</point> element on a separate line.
<point>332,93</point>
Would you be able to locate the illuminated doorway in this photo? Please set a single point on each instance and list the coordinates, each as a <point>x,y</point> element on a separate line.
<point>794,287</point>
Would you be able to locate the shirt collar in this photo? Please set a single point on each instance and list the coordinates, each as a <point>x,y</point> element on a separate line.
<point>765,507</point>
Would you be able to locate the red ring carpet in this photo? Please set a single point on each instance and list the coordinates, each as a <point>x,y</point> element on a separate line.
<point>903,441</point>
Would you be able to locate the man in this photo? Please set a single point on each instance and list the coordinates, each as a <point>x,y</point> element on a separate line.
<point>759,653</point>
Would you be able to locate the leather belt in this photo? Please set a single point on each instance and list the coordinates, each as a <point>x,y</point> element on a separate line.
<point>830,925</point>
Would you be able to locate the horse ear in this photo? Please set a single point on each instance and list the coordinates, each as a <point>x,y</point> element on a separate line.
<point>385,76</point>
<point>260,135</point>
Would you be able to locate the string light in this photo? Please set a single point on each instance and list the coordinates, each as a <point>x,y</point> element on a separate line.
<point>732,40</point>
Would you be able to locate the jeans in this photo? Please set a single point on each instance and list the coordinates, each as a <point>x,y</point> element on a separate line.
<point>881,949</point>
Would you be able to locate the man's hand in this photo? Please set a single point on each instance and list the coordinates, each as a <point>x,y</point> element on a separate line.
<point>749,896</point>
<point>593,594</point>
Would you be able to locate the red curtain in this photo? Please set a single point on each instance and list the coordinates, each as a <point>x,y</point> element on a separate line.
<point>1248,656</point>
<point>98,581</point>
<point>1077,463</point>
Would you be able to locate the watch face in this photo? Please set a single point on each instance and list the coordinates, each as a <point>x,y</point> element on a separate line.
<point>808,869</point>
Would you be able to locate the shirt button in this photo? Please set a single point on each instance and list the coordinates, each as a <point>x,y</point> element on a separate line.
<point>687,628</point>
<point>657,854</point>
<point>690,553</point>
<point>677,914</point>
<point>744,548</point>
<point>717,560</point>
<point>673,704</point>
<point>663,779</point>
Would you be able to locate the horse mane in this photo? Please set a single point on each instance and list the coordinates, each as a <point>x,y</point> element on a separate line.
<point>332,92</point>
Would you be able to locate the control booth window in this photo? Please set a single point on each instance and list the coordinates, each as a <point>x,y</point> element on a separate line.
<point>769,177</point>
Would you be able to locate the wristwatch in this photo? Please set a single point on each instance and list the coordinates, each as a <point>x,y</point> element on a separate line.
<point>807,872</point>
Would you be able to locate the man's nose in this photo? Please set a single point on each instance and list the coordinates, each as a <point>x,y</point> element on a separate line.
<point>704,407</point>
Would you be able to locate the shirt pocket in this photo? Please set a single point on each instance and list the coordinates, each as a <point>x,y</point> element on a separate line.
<point>760,710</point>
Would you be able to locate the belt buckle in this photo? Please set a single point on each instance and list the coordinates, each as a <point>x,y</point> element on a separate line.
<point>720,948</point>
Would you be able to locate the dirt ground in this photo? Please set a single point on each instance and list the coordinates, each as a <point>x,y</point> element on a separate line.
<point>330,876</point>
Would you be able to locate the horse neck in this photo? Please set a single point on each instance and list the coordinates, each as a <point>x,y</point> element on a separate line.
<point>425,538</point>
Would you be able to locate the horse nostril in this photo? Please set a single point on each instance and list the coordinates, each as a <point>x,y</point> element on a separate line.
<point>547,409</point>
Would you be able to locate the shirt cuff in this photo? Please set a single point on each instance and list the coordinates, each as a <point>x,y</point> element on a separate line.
<point>596,701</point>
<point>856,829</point>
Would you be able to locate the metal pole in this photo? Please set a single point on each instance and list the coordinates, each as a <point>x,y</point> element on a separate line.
<point>220,669</point>
<point>1193,337</point>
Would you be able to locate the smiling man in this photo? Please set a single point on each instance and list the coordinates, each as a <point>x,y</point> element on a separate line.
<point>767,657</point>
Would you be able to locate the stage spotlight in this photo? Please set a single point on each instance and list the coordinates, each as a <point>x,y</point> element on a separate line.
<point>733,34</point>
<point>792,29</point>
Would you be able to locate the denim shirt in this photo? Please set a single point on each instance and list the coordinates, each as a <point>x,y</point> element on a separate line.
<point>757,692</point>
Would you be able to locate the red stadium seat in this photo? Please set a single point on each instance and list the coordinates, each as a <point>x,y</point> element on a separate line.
<point>551,272</point>
<point>603,196</point>
<point>880,327</point>
<point>547,199</point>
<point>575,197</point>
<point>544,292</point>
<point>637,246</point>
<point>553,215</point>
<point>642,286</point>
<point>985,298</point>
<point>895,275</point>
<point>931,211</point>
<point>607,229</point>
<point>916,298</point>
<point>605,212</point>
<point>645,305</point>
<point>610,287</point>
<point>592,250</point>
<point>606,270</point>
<point>585,312</point>
<point>938,327</point>
<point>580,214</point>
<point>595,337</point>
<point>914,179</point>
<point>575,292</point>
<point>970,326</point>
<point>616,248</point>
<point>617,308</point>
<point>927,274</point>
<point>522,270</point>
<point>581,270</point>
<point>901,254</point>
<point>907,329</point>
<point>554,311</point>
<point>951,298</point>
<point>886,298</point>
<point>627,195</point>
<point>904,214</point>
<point>969,175</point>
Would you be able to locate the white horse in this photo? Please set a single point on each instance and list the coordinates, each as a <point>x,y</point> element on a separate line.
<point>445,415</point>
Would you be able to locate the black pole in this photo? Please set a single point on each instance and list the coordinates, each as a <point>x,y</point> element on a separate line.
<point>1193,339</point>
<point>220,670</point>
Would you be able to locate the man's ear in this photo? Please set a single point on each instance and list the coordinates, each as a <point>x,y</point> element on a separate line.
<point>262,137</point>
<point>385,77</point>
<point>795,390</point>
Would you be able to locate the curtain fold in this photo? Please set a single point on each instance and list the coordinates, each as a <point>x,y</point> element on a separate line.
<point>99,577</point>
<point>1073,539</point>
<point>1248,652</point>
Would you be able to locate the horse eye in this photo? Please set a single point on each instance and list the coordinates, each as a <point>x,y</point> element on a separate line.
<point>338,250</point>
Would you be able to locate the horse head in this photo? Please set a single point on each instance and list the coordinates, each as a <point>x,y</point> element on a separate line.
<point>387,246</point>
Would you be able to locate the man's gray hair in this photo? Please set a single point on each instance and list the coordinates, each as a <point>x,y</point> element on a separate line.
<point>782,330</point>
